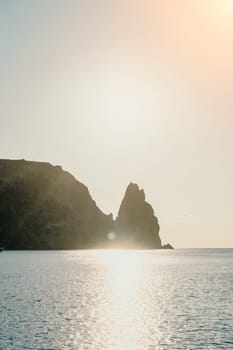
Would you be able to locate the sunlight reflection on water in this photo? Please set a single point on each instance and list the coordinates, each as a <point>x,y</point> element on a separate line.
<point>116,300</point>
<point>125,273</point>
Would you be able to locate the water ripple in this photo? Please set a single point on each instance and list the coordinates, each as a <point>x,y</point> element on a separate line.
<point>120,300</point>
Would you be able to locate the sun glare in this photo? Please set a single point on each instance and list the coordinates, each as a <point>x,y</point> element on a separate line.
<point>125,276</point>
<point>120,260</point>
<point>228,3</point>
<point>222,6</point>
<point>124,265</point>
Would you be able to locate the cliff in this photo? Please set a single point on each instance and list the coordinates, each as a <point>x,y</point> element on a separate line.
<point>44,207</point>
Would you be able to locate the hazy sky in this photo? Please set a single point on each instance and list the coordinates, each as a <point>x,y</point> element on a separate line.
<point>120,91</point>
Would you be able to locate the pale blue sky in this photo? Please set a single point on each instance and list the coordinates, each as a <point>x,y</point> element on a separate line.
<point>120,91</point>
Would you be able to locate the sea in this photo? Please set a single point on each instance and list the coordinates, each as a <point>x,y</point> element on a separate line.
<point>117,300</point>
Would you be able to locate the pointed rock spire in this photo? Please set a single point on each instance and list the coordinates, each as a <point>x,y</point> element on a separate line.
<point>136,223</point>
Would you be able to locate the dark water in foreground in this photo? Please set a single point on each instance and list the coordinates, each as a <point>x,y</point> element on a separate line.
<point>117,300</point>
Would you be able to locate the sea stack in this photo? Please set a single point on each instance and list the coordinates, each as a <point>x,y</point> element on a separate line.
<point>136,224</point>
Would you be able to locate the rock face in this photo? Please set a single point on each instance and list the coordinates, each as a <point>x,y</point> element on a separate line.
<point>44,207</point>
<point>136,224</point>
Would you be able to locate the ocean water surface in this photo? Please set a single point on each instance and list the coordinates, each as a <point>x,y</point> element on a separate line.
<point>117,300</point>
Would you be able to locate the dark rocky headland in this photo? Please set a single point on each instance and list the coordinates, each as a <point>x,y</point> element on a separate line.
<point>44,207</point>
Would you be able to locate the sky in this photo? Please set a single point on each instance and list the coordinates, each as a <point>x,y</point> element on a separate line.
<point>122,91</point>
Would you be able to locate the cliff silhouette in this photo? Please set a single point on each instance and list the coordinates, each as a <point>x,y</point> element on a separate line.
<point>44,207</point>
